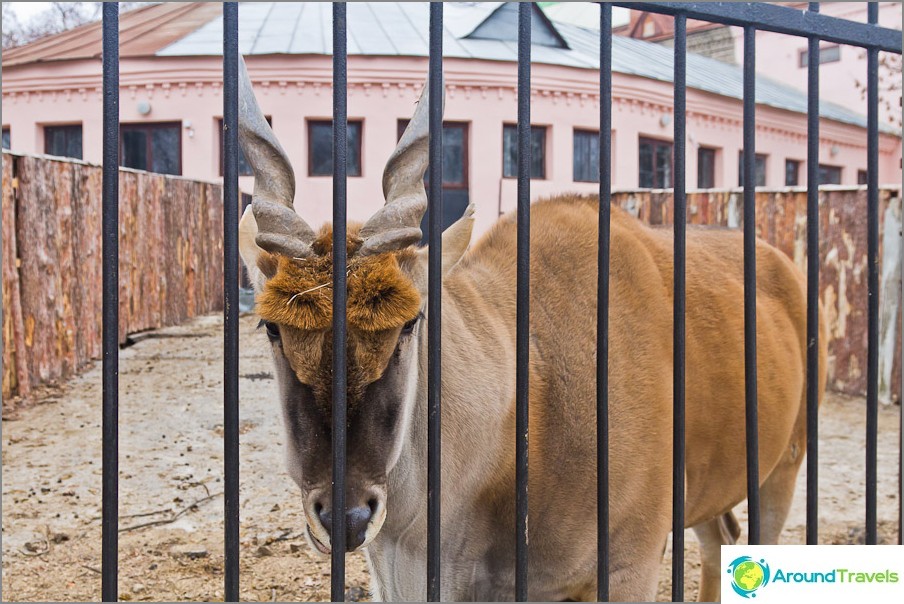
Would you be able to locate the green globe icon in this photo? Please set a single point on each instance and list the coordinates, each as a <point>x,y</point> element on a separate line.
<point>748,575</point>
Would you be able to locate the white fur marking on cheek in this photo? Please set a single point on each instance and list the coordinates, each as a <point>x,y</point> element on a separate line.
<point>408,403</point>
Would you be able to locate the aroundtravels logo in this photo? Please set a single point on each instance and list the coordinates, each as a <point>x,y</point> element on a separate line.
<point>791,574</point>
<point>748,575</point>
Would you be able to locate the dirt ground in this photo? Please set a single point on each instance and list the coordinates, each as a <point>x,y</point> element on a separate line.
<point>171,465</point>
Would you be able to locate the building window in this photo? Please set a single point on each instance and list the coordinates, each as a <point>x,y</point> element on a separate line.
<point>586,157</point>
<point>244,166</point>
<point>6,137</point>
<point>760,160</point>
<point>154,147</point>
<point>792,172</point>
<point>510,151</point>
<point>455,153</point>
<point>862,177</point>
<point>655,164</point>
<point>706,168</point>
<point>827,54</point>
<point>829,175</point>
<point>63,141</point>
<point>320,148</point>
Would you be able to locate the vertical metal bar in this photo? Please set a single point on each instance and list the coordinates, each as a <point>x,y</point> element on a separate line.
<point>678,450</point>
<point>434,304</point>
<point>231,296</point>
<point>522,343</point>
<point>872,259</point>
<point>110,253</point>
<point>813,286</point>
<point>340,138</point>
<point>750,396</point>
<point>602,308</point>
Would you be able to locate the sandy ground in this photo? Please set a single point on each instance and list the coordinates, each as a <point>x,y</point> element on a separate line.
<point>171,464</point>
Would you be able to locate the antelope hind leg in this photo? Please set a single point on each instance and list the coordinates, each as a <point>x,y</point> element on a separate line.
<point>776,494</point>
<point>721,530</point>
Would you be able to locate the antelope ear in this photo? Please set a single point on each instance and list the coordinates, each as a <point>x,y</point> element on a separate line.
<point>261,264</point>
<point>455,240</point>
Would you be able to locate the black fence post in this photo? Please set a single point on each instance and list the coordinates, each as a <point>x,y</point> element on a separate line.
<point>679,334</point>
<point>231,298</point>
<point>813,286</point>
<point>434,304</point>
<point>522,327</point>
<point>872,262</point>
<point>750,394</point>
<point>602,312</point>
<point>340,139</point>
<point>110,310</point>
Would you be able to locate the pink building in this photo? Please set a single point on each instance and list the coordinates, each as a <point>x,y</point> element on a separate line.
<point>784,58</point>
<point>171,103</point>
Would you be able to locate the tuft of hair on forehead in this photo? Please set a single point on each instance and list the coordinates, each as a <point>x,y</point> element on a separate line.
<point>300,293</point>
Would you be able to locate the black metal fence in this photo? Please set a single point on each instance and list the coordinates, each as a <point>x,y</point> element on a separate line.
<point>750,16</point>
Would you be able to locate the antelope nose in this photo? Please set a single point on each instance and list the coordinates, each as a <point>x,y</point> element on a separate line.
<point>356,521</point>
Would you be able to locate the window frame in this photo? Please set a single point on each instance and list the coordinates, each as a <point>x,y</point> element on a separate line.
<point>67,129</point>
<point>595,134</point>
<point>715,154</point>
<point>150,126</point>
<point>545,163</point>
<point>219,126</point>
<point>310,123</point>
<point>862,177</point>
<point>657,142</point>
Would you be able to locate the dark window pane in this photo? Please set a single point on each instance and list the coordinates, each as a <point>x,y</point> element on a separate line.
<point>538,152</point>
<point>74,143</point>
<point>353,134</point>
<point>663,166</point>
<point>586,156</point>
<point>829,175</point>
<point>135,149</point>
<point>165,150</point>
<point>6,138</point>
<point>655,164</point>
<point>453,155</point>
<point>645,178</point>
<point>792,173</point>
<point>861,176</point>
<point>706,168</point>
<point>320,148</point>
<point>510,151</point>
<point>760,169</point>
<point>64,141</point>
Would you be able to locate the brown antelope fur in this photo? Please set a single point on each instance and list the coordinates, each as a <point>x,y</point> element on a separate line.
<point>562,402</point>
<point>386,486</point>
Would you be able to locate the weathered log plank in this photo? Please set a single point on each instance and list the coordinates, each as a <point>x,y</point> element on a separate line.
<point>170,231</point>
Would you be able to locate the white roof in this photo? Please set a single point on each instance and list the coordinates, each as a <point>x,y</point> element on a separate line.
<point>401,29</point>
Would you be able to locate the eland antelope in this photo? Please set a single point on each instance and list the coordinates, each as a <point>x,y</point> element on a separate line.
<point>386,492</point>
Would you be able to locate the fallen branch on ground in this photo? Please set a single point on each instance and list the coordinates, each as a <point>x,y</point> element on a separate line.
<point>172,518</point>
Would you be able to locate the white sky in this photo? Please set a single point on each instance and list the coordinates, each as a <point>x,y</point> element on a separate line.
<point>26,10</point>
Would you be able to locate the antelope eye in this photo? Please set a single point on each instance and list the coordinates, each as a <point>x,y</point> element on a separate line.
<point>409,326</point>
<point>272,330</point>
